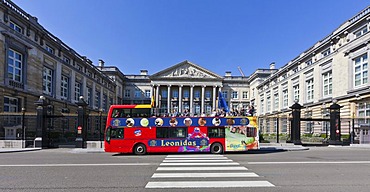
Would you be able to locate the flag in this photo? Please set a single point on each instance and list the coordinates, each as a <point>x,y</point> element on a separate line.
<point>152,103</point>
<point>222,102</point>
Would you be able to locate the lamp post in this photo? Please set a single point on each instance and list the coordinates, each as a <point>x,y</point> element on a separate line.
<point>100,123</point>
<point>23,128</point>
<point>277,128</point>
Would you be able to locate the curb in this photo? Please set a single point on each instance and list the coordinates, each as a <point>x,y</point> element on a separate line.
<point>15,150</point>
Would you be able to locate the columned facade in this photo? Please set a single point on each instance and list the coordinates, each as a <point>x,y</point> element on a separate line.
<point>192,89</point>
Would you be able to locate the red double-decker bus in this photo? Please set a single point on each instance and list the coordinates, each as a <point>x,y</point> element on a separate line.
<point>132,129</point>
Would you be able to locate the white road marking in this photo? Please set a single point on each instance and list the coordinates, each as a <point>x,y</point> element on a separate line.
<point>309,162</point>
<point>197,175</point>
<point>173,158</point>
<point>202,169</point>
<point>77,165</point>
<point>199,164</point>
<point>196,160</point>
<point>208,184</point>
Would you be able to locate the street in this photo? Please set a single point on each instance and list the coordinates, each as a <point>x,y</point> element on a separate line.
<point>317,169</point>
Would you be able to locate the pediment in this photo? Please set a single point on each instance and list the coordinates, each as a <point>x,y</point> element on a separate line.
<point>184,70</point>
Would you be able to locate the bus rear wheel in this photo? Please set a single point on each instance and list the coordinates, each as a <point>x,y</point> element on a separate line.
<point>216,148</point>
<point>140,149</point>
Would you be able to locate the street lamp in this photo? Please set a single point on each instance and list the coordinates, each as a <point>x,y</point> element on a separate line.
<point>23,128</point>
<point>100,123</point>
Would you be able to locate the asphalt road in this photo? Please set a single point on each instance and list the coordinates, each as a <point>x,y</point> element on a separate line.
<point>318,169</point>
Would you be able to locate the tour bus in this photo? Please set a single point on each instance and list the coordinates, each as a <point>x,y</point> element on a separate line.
<point>132,129</point>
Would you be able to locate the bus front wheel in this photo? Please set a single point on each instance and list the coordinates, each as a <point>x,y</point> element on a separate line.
<point>139,149</point>
<point>216,148</point>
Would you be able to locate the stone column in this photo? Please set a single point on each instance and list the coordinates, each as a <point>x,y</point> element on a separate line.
<point>214,97</point>
<point>202,100</point>
<point>169,99</point>
<point>191,99</point>
<point>157,96</point>
<point>180,99</point>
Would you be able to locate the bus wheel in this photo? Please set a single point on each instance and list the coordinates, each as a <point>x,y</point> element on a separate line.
<point>216,148</point>
<point>139,149</point>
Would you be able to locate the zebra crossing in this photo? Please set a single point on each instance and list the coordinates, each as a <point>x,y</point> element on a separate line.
<point>203,171</point>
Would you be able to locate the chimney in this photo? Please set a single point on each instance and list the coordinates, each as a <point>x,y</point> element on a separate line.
<point>143,72</point>
<point>272,65</point>
<point>228,74</point>
<point>101,63</point>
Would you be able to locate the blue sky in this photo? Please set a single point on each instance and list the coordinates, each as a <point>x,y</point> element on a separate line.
<point>217,35</point>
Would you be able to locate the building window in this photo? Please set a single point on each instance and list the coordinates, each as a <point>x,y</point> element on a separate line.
<point>361,32</point>
<point>137,93</point>
<point>327,84</point>
<point>284,125</point>
<point>147,93</point>
<point>89,96</point>
<point>47,85</point>
<point>15,65</point>
<point>295,70</point>
<point>245,94</point>
<point>296,92</point>
<point>11,104</point>
<point>97,99</point>
<point>64,89</point>
<point>78,90</point>
<point>309,62</point>
<point>16,27</point>
<point>197,94</point>
<point>79,67</point>
<point>262,105</point>
<point>326,52</point>
<point>234,95</point>
<point>268,98</point>
<point>363,112</point>
<point>360,70</point>
<point>285,98</point>
<point>224,94</point>
<point>309,90</point>
<point>208,94</point>
<point>186,93</point>
<point>105,103</point>
<point>164,93</point>
<point>49,49</point>
<point>276,101</point>
<point>67,60</point>
<point>127,93</point>
<point>175,94</point>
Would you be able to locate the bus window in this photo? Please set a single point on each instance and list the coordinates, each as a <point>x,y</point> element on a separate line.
<point>117,133</point>
<point>172,132</point>
<point>107,134</point>
<point>141,112</point>
<point>216,132</point>
<point>251,132</point>
<point>177,132</point>
<point>162,132</point>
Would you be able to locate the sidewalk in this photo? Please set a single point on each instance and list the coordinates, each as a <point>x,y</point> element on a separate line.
<point>281,147</point>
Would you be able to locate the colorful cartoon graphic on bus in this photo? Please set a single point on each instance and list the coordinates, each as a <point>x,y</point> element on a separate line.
<point>196,134</point>
<point>241,137</point>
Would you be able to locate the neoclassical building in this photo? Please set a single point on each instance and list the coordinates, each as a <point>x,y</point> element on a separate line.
<point>34,62</point>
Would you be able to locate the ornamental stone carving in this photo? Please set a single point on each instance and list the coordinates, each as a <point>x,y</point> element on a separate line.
<point>187,71</point>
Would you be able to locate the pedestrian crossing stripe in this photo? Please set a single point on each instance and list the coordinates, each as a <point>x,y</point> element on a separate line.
<point>200,164</point>
<point>208,184</point>
<point>239,168</point>
<point>196,175</point>
<point>196,160</point>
